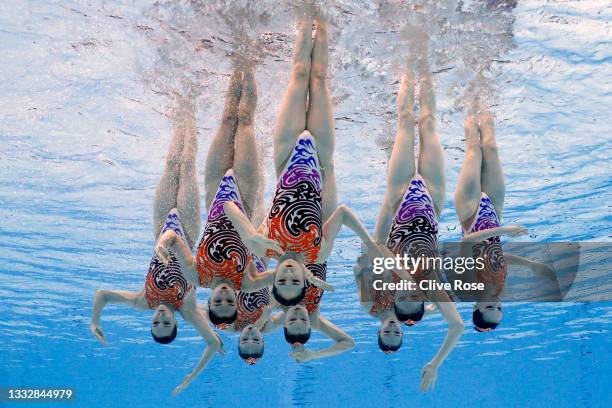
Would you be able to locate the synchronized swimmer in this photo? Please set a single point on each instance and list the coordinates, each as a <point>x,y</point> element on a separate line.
<point>304,218</point>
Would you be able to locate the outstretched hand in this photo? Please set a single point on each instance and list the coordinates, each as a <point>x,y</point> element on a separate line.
<point>261,245</point>
<point>179,388</point>
<point>319,283</point>
<point>98,333</point>
<point>303,355</point>
<point>515,231</point>
<point>429,375</point>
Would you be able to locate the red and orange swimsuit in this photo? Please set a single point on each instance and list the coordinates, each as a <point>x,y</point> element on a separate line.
<point>222,253</point>
<point>296,216</point>
<point>166,283</point>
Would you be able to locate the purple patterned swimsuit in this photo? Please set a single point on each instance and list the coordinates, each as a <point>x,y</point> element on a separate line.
<point>495,269</point>
<point>414,230</point>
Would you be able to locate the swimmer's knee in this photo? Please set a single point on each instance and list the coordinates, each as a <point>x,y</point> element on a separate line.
<point>173,164</point>
<point>245,118</point>
<point>318,73</point>
<point>427,120</point>
<point>300,71</point>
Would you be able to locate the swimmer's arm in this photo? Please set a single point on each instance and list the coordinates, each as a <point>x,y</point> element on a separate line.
<point>343,215</point>
<point>102,297</point>
<point>170,241</point>
<point>536,267</point>
<point>254,281</point>
<point>254,239</point>
<point>199,321</point>
<point>343,342</point>
<point>274,323</point>
<point>508,231</point>
<point>448,310</point>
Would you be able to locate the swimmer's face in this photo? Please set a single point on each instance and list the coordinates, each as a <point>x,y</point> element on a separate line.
<point>391,332</point>
<point>251,341</point>
<point>163,321</point>
<point>297,320</point>
<point>289,279</point>
<point>223,300</point>
<point>491,311</point>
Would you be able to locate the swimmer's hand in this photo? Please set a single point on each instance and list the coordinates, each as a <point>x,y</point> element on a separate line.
<point>319,283</point>
<point>543,270</point>
<point>221,349</point>
<point>179,388</point>
<point>514,231</point>
<point>98,333</point>
<point>428,377</point>
<point>164,243</point>
<point>261,245</point>
<point>303,355</point>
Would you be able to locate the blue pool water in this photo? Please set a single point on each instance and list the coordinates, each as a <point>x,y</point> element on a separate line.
<point>82,96</point>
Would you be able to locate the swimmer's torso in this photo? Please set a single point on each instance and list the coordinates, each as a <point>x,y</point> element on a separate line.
<point>221,252</point>
<point>251,306</point>
<point>414,230</point>
<point>495,269</point>
<point>295,218</point>
<point>166,283</point>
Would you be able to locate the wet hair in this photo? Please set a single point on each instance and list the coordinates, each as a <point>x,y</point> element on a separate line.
<point>296,338</point>
<point>387,348</point>
<point>216,319</point>
<point>481,323</point>
<point>288,302</point>
<point>414,316</point>
<point>165,339</point>
<point>244,355</point>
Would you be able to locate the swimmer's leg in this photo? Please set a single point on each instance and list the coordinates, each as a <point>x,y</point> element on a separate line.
<point>492,175</point>
<point>220,156</point>
<point>246,161</point>
<point>188,201</point>
<point>166,192</point>
<point>291,119</point>
<point>467,195</point>
<point>320,119</point>
<point>431,157</point>
<point>402,166</point>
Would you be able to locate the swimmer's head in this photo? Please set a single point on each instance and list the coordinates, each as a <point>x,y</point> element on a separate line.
<point>409,312</point>
<point>390,335</point>
<point>289,286</point>
<point>222,305</point>
<point>486,316</point>
<point>251,344</point>
<point>163,325</point>
<point>297,325</point>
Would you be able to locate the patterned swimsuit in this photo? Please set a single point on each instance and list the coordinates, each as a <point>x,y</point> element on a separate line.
<point>165,283</point>
<point>222,253</point>
<point>495,270</point>
<point>295,219</point>
<point>251,305</point>
<point>414,230</point>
